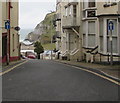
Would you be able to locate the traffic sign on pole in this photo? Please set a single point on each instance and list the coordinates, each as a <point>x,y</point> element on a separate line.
<point>111,25</point>
<point>111,29</point>
<point>7,25</point>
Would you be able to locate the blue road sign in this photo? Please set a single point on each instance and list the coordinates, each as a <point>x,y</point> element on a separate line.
<point>7,25</point>
<point>110,25</point>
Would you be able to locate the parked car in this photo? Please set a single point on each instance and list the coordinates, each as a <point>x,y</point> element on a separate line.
<point>31,56</point>
<point>24,57</point>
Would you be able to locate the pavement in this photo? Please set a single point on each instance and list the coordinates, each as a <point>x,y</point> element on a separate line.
<point>108,70</point>
<point>11,64</point>
<point>46,80</point>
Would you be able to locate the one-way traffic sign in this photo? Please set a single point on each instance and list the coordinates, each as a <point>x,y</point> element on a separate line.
<point>110,25</point>
<point>7,25</point>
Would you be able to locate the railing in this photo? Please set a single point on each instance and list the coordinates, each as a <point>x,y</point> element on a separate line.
<point>65,53</point>
<point>74,51</point>
<point>70,21</point>
<point>93,51</point>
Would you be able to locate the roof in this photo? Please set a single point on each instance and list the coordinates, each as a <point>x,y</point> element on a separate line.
<point>27,42</point>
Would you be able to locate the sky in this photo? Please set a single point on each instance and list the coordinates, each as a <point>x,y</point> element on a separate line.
<point>32,13</point>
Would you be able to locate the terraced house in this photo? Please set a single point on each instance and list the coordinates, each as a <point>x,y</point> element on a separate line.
<point>10,36</point>
<point>69,26</point>
<point>84,32</point>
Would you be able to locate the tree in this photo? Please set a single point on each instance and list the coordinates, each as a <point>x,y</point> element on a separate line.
<point>38,49</point>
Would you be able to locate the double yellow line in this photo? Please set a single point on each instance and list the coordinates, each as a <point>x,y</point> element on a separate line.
<point>97,74</point>
<point>2,73</point>
<point>107,78</point>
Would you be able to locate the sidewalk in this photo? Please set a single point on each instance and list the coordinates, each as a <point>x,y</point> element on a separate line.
<point>5,67</point>
<point>107,70</point>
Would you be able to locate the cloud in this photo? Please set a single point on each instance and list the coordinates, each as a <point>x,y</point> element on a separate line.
<point>33,13</point>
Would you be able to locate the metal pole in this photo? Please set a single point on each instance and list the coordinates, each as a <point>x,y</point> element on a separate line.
<point>111,55</point>
<point>51,37</point>
<point>51,47</point>
<point>7,47</point>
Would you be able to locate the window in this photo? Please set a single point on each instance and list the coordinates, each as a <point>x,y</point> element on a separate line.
<point>101,34</point>
<point>91,34</point>
<point>84,40</point>
<point>114,37</point>
<point>106,38</point>
<point>84,14</point>
<point>91,13</point>
<point>74,10</point>
<point>71,41</point>
<point>91,40</point>
<point>66,11</point>
<point>70,10</point>
<point>101,43</point>
<point>91,27</point>
<point>84,33</point>
<point>91,3</point>
<point>115,27</point>
<point>101,27</point>
<point>85,4</point>
<point>84,27</point>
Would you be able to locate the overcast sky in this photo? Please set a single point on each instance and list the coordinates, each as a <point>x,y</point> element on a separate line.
<point>31,13</point>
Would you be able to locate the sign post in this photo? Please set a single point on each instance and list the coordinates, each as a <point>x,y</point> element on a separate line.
<point>7,27</point>
<point>111,28</point>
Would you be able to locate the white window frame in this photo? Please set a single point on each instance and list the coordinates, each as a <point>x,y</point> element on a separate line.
<point>87,33</point>
<point>105,36</point>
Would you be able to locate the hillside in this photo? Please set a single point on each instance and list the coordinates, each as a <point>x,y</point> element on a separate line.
<point>44,31</point>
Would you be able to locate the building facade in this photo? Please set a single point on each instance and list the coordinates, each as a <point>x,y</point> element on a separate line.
<point>10,37</point>
<point>84,30</point>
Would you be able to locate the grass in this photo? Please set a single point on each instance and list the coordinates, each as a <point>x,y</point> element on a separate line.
<point>48,46</point>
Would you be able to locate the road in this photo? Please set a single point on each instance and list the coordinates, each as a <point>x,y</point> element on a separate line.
<point>45,80</point>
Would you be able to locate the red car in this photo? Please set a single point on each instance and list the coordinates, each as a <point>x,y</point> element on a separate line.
<point>31,56</point>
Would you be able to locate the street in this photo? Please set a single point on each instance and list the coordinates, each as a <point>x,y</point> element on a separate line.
<point>45,80</point>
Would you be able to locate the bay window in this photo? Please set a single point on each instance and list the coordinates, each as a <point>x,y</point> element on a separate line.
<point>91,34</point>
<point>104,36</point>
<point>91,3</point>
<point>114,36</point>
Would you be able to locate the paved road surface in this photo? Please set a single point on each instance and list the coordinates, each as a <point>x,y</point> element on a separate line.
<point>45,80</point>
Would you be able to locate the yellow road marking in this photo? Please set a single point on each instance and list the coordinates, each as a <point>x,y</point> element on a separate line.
<point>107,78</point>
<point>2,73</point>
<point>10,64</point>
<point>116,82</point>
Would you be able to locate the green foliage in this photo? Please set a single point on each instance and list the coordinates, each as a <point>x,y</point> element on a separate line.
<point>49,46</point>
<point>50,29</point>
<point>38,48</point>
